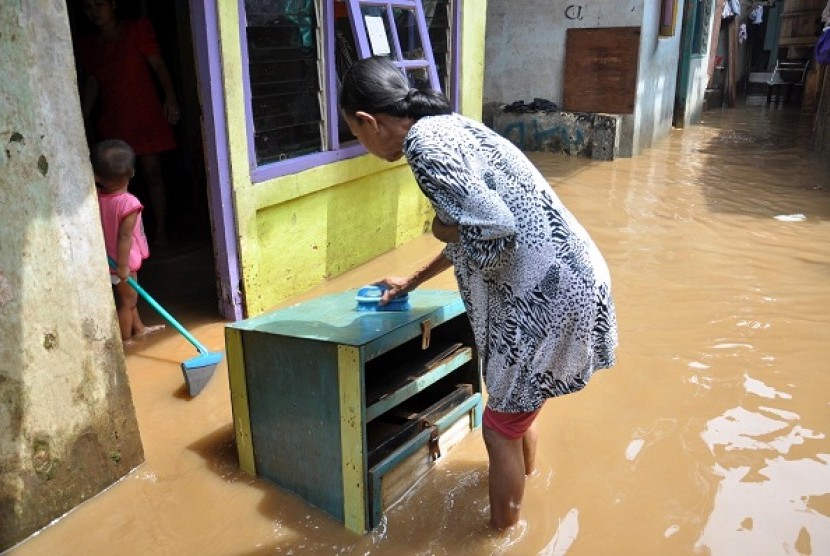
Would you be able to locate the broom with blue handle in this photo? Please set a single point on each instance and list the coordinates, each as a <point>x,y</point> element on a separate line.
<point>197,370</point>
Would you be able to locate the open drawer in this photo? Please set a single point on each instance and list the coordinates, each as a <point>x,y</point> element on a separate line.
<point>406,442</point>
<point>396,377</point>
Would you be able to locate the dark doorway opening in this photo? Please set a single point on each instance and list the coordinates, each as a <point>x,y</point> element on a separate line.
<point>181,274</point>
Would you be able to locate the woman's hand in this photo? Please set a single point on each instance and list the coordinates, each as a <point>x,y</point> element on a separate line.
<point>171,110</point>
<point>171,105</point>
<point>444,232</point>
<point>395,285</point>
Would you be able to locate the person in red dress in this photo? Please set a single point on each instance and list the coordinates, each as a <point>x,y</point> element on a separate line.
<point>117,61</point>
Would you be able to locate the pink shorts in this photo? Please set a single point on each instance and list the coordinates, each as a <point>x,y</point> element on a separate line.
<point>510,425</point>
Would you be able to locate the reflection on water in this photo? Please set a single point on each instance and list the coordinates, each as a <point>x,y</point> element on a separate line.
<point>709,437</point>
<point>565,535</point>
<point>765,486</point>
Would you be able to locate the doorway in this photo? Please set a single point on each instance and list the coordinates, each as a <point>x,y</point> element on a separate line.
<point>180,273</point>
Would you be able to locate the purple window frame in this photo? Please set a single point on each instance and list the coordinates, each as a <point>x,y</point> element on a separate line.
<point>335,153</point>
<point>364,49</point>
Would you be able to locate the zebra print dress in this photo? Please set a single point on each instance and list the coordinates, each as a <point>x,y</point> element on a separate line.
<point>536,288</point>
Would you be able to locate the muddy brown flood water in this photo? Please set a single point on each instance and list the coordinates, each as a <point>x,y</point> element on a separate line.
<point>710,436</point>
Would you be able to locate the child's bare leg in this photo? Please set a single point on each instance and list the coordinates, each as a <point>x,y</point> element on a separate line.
<point>138,325</point>
<point>139,328</point>
<point>126,300</point>
<point>506,477</point>
<point>529,442</point>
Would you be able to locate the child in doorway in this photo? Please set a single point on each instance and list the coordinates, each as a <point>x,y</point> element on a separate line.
<point>113,162</point>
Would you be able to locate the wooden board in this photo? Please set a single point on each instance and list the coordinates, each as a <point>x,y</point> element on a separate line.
<point>799,23</point>
<point>400,479</point>
<point>601,70</point>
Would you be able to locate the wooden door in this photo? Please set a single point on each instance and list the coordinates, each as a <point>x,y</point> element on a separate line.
<point>799,26</point>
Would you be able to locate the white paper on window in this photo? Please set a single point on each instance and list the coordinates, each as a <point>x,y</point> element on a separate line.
<point>377,35</point>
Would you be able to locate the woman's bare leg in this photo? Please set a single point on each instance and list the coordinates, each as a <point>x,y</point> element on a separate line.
<point>506,477</point>
<point>529,441</point>
<point>151,167</point>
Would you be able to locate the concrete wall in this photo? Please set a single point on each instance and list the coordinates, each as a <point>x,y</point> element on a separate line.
<point>525,50</point>
<point>698,79</point>
<point>657,78</point>
<point>525,58</point>
<point>298,230</point>
<point>67,424</point>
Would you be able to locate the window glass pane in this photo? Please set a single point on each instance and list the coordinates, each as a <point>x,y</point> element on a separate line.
<point>345,54</point>
<point>408,34</point>
<point>378,35</point>
<point>700,27</point>
<point>381,42</point>
<point>437,13</point>
<point>418,78</point>
<point>668,17</point>
<point>284,81</point>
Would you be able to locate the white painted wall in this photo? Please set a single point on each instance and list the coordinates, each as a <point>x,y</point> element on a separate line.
<point>656,83</point>
<point>698,80</point>
<point>525,57</point>
<point>525,48</point>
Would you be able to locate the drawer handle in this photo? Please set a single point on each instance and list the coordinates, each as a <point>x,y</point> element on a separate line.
<point>434,445</point>
<point>426,331</point>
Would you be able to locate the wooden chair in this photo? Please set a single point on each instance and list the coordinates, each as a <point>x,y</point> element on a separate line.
<point>787,75</point>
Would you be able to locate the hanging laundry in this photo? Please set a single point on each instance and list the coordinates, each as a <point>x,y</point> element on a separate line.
<point>732,8</point>
<point>727,11</point>
<point>742,33</point>
<point>756,16</point>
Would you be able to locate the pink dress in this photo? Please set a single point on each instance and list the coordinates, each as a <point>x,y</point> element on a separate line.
<point>129,107</point>
<point>114,208</point>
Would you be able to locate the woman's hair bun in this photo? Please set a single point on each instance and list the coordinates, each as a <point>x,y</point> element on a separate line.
<point>377,85</point>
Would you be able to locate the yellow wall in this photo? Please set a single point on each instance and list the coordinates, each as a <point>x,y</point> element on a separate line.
<point>473,24</point>
<point>298,230</point>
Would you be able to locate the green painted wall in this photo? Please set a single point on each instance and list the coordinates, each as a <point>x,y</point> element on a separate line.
<point>299,230</point>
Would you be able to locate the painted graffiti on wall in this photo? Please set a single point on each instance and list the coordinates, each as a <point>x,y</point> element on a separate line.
<point>566,138</point>
<point>574,133</point>
<point>601,14</point>
<point>575,12</point>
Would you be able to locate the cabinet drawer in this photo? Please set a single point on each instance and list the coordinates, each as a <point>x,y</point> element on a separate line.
<point>398,426</point>
<point>391,477</point>
<point>407,374</point>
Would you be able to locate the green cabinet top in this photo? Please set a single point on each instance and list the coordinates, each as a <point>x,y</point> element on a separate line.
<point>335,318</point>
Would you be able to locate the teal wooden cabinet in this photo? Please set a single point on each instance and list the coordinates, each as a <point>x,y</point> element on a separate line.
<point>347,409</point>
